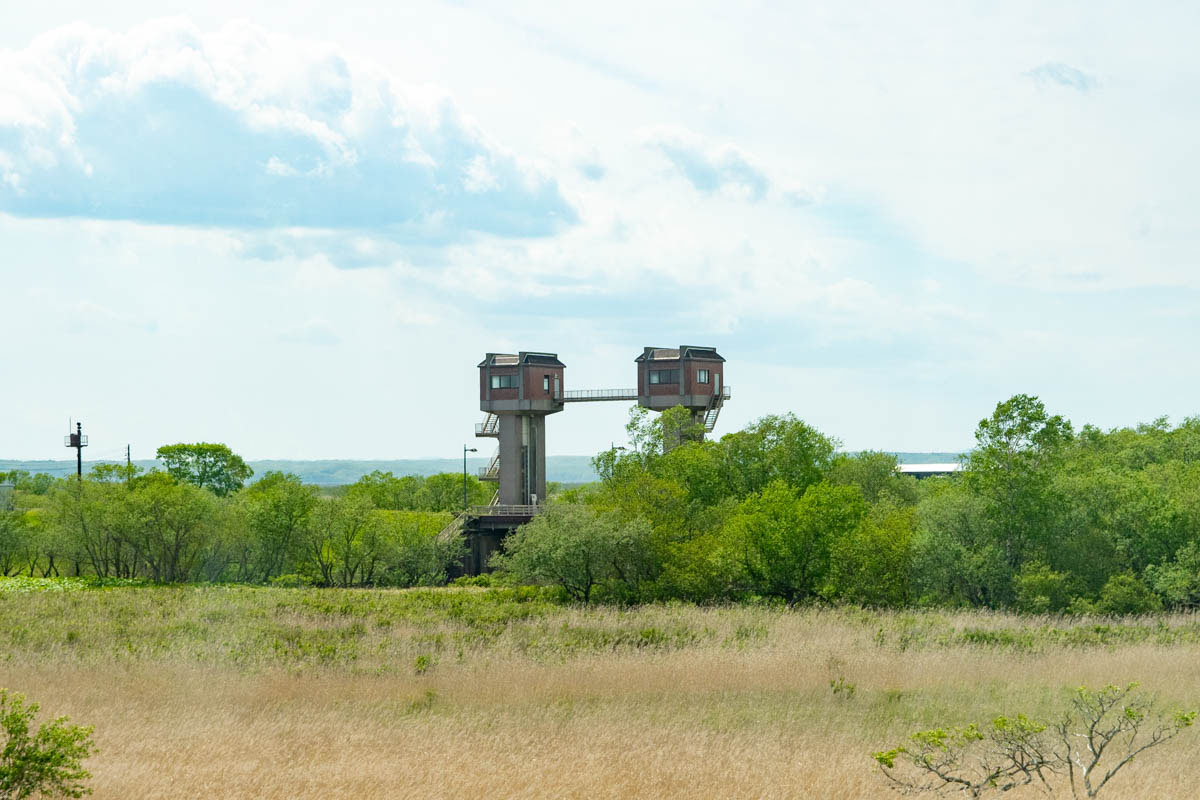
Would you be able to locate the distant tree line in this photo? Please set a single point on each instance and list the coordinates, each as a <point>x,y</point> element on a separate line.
<point>198,520</point>
<point>1043,518</point>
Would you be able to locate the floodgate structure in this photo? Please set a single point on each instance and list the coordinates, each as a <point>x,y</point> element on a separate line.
<point>517,392</point>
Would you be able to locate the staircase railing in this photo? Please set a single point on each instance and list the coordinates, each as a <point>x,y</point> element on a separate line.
<point>489,427</point>
<point>492,471</point>
<point>714,409</point>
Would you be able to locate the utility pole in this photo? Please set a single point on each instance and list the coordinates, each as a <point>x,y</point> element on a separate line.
<point>78,441</point>
<point>465,451</point>
<point>128,466</point>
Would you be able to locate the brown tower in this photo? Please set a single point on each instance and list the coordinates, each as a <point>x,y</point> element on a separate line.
<point>518,392</point>
<point>688,376</point>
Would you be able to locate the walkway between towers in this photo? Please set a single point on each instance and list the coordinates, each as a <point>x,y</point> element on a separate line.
<point>711,413</point>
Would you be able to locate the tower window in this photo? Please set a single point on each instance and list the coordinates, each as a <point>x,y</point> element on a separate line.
<point>658,376</point>
<point>546,383</point>
<point>701,376</point>
<point>504,381</point>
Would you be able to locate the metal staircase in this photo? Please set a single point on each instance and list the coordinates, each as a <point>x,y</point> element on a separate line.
<point>453,529</point>
<point>489,427</point>
<point>492,471</point>
<point>714,409</point>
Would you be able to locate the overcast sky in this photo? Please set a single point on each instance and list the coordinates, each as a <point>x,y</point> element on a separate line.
<point>297,227</point>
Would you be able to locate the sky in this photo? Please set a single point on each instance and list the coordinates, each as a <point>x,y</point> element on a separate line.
<point>296,228</point>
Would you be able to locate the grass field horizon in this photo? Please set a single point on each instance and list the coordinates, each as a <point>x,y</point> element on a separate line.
<point>238,691</point>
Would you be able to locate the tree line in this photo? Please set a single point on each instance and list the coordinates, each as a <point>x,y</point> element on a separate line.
<point>1043,518</point>
<point>200,519</point>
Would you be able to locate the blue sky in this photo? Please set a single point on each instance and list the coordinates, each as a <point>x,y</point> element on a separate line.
<point>297,233</point>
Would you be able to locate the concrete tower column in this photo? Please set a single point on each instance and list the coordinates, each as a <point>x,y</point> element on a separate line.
<point>511,479</point>
<point>522,458</point>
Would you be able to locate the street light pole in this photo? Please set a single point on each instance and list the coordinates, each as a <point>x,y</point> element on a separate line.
<point>465,451</point>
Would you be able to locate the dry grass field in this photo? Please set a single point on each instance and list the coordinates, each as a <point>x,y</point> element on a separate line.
<point>294,693</point>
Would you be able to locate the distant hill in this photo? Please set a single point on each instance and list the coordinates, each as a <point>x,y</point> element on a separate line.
<point>335,472</point>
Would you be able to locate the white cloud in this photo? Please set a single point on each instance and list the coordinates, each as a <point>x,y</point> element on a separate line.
<point>1064,75</point>
<point>710,168</point>
<point>910,198</point>
<point>247,129</point>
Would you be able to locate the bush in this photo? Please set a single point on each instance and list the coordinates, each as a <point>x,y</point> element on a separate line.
<point>578,549</point>
<point>1125,594</point>
<point>47,763</point>
<point>1041,590</point>
<point>1178,581</point>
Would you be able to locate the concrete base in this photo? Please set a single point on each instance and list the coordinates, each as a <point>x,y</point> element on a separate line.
<point>484,536</point>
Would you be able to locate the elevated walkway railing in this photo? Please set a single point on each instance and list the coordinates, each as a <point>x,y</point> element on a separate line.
<point>598,395</point>
<point>455,526</point>
<point>501,510</point>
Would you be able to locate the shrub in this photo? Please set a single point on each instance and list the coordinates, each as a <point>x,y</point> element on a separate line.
<point>1040,589</point>
<point>47,763</point>
<point>1125,594</point>
<point>1102,732</point>
<point>578,549</point>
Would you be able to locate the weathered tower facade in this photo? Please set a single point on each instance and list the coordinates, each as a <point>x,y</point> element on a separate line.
<point>688,376</point>
<point>518,392</point>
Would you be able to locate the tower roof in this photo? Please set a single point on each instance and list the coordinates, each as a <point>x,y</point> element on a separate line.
<point>683,352</point>
<point>520,359</point>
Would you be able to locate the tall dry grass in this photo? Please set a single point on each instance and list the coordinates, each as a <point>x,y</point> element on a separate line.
<point>228,693</point>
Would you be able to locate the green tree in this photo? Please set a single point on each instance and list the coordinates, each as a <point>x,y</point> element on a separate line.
<point>775,448</point>
<point>418,555</point>
<point>1124,594</point>
<point>343,542</point>
<point>388,492</point>
<point>95,517</point>
<point>785,540</point>
<point>23,481</point>
<point>444,492</point>
<point>876,474</point>
<point>277,508</point>
<point>956,559</point>
<point>15,543</point>
<point>574,547</point>
<point>1178,581</point>
<point>1012,467</point>
<point>1041,590</point>
<point>871,563</point>
<point>45,763</point>
<point>114,473</point>
<point>172,528</point>
<point>209,466</point>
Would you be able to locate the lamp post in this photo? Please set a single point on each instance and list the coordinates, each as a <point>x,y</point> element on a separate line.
<point>465,451</point>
